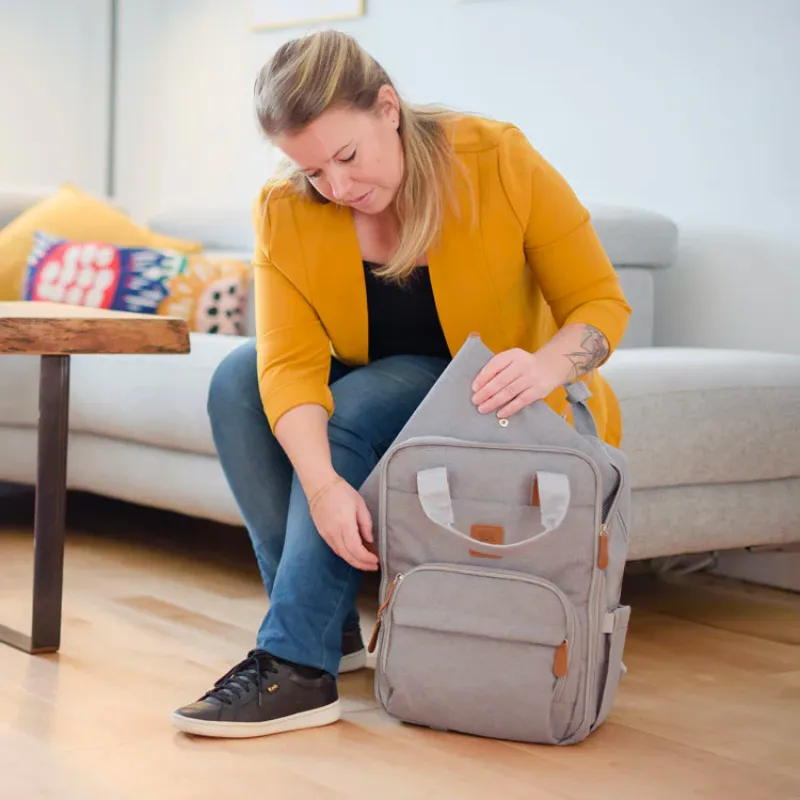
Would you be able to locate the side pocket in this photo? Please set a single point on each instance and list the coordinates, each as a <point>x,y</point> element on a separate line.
<point>614,669</point>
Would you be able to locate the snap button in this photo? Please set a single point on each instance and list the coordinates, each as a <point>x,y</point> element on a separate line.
<point>503,423</point>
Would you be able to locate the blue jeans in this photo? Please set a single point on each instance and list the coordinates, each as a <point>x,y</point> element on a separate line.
<point>312,590</point>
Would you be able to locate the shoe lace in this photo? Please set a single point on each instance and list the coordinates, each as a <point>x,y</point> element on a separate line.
<point>241,678</point>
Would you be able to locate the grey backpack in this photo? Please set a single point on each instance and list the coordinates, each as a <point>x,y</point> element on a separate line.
<point>502,549</point>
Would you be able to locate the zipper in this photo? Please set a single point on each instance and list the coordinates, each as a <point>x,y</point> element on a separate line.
<point>563,656</point>
<point>602,545</point>
<point>373,640</point>
<point>602,548</point>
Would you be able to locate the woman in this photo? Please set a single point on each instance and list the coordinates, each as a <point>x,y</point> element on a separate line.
<point>397,233</point>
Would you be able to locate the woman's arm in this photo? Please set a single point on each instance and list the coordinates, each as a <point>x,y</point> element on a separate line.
<point>576,278</point>
<point>294,359</point>
<point>303,434</point>
<point>338,510</point>
<point>575,351</point>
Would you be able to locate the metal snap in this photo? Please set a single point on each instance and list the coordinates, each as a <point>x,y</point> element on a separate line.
<point>503,423</point>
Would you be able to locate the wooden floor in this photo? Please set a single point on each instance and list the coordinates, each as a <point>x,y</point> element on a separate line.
<point>157,607</point>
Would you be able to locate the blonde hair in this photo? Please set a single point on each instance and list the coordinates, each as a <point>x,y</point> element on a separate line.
<point>307,76</point>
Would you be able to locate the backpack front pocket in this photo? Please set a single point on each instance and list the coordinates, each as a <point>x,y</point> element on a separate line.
<point>480,651</point>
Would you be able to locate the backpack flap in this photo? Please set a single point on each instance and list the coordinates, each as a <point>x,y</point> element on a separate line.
<point>448,411</point>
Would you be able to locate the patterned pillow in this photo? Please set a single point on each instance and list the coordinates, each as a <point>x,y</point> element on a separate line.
<point>209,294</point>
<point>98,274</point>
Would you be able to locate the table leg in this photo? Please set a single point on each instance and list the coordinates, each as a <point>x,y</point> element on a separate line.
<point>50,512</point>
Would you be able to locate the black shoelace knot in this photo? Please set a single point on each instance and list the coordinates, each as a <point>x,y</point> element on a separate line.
<point>242,677</point>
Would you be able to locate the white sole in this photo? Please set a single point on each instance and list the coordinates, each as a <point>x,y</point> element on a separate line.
<point>245,730</point>
<point>353,661</point>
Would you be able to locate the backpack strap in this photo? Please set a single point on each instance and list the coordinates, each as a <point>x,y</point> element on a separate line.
<point>578,393</point>
<point>434,495</point>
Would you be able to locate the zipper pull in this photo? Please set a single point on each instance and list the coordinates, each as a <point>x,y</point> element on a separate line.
<point>561,659</point>
<point>602,550</point>
<point>373,640</point>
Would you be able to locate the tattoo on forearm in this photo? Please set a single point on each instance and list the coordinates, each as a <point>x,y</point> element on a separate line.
<point>593,350</point>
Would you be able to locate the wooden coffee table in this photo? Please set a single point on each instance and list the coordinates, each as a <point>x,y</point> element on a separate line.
<point>55,332</point>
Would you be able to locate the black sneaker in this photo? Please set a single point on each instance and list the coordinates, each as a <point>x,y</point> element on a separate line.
<point>259,696</point>
<point>354,654</point>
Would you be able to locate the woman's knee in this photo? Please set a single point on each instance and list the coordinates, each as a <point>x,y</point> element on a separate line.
<point>235,381</point>
<point>374,402</point>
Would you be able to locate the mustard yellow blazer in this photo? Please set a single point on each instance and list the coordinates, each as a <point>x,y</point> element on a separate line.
<point>517,262</point>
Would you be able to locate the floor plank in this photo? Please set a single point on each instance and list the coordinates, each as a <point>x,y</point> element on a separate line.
<point>156,607</point>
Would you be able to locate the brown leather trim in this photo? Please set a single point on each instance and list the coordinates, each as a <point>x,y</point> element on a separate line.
<point>490,534</point>
<point>560,660</point>
<point>602,551</point>
<point>373,640</point>
<point>476,554</point>
<point>535,502</point>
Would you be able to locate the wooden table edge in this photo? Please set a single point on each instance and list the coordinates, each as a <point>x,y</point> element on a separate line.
<point>134,334</point>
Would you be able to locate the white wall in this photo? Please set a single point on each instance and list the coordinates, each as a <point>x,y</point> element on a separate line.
<point>53,93</point>
<point>687,107</point>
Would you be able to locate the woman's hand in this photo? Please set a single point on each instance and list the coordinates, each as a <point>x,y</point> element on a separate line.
<point>344,522</point>
<point>514,379</point>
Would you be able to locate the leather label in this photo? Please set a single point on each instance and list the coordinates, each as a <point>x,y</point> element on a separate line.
<point>602,551</point>
<point>490,534</point>
<point>561,660</point>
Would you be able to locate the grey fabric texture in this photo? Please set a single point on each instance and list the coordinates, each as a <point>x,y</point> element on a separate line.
<point>513,635</point>
<point>157,400</point>
<point>705,416</point>
<point>703,518</point>
<point>635,237</point>
<point>173,480</point>
<point>638,285</point>
<point>225,228</point>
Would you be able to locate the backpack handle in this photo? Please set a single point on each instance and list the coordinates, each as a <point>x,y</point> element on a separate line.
<point>434,496</point>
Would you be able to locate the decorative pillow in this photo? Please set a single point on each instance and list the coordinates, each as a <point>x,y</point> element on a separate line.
<point>99,275</point>
<point>74,215</point>
<point>210,294</point>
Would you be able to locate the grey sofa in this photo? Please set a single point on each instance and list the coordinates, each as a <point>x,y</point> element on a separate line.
<point>713,436</point>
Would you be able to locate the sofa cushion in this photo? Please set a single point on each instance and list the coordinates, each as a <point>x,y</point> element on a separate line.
<point>704,518</point>
<point>158,400</point>
<point>702,416</point>
<point>635,237</point>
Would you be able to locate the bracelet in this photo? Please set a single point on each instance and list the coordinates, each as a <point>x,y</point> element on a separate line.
<point>321,491</point>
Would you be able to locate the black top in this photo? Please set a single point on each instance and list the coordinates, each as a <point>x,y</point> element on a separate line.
<point>402,317</point>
